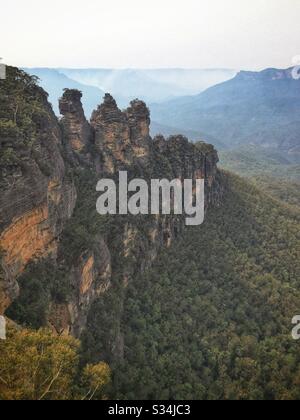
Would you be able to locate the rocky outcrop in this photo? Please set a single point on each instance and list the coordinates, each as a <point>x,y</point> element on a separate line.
<point>112,135</point>
<point>78,133</point>
<point>121,137</point>
<point>89,278</point>
<point>138,117</point>
<point>191,161</point>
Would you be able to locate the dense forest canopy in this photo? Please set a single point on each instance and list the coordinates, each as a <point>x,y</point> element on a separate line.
<point>212,320</point>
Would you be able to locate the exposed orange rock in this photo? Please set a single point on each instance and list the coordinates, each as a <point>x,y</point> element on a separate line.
<point>5,301</point>
<point>87,276</point>
<point>26,238</point>
<point>54,191</point>
<point>76,144</point>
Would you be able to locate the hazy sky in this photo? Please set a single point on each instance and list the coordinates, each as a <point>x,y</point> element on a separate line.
<point>248,34</point>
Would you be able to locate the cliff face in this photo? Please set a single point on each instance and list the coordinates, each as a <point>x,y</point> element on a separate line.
<point>36,195</point>
<point>39,196</point>
<point>89,278</point>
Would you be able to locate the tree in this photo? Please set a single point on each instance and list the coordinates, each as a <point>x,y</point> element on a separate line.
<point>38,365</point>
<point>95,378</point>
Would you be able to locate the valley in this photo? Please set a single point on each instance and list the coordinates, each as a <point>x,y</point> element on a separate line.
<point>142,306</point>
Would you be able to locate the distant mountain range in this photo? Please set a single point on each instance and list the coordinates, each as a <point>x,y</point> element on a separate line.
<point>253,108</point>
<point>154,85</point>
<point>128,84</point>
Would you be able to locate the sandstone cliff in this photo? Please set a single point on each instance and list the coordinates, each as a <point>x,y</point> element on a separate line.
<point>53,163</point>
<point>37,196</point>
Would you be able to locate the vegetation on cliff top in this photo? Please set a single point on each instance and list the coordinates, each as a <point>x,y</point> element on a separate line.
<point>21,108</point>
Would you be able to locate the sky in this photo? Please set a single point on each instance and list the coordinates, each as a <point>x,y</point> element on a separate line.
<point>237,34</point>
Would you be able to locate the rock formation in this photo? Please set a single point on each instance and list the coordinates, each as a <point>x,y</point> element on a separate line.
<point>138,117</point>
<point>77,131</point>
<point>39,195</point>
<point>89,277</point>
<point>121,137</point>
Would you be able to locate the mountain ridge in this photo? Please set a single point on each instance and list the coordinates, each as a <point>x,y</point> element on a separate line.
<point>252,108</point>
<point>150,85</point>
